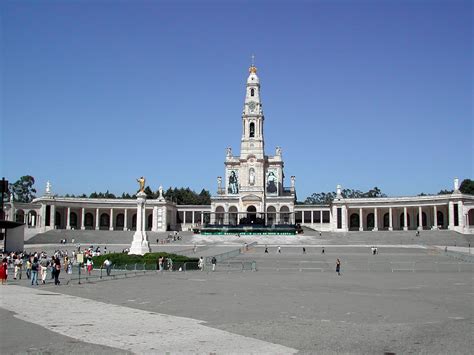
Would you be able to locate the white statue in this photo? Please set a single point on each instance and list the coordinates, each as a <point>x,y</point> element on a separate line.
<point>48,187</point>
<point>278,151</point>
<point>229,152</point>
<point>160,190</point>
<point>219,182</point>
<point>11,197</point>
<point>251,176</point>
<point>292,181</point>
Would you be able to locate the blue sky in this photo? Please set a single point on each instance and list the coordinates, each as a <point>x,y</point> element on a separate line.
<point>363,93</point>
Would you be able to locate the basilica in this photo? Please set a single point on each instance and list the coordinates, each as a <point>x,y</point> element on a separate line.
<point>252,192</point>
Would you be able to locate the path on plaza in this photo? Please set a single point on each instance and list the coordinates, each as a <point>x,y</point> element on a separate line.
<point>126,328</point>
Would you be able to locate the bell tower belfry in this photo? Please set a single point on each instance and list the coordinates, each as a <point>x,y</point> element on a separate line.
<point>252,142</point>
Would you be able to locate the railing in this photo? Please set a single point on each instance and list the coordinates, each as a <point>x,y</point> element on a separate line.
<point>374,266</point>
<point>220,258</point>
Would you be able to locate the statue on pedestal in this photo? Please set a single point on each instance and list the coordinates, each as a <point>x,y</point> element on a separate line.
<point>229,152</point>
<point>48,187</point>
<point>141,182</point>
<point>160,190</point>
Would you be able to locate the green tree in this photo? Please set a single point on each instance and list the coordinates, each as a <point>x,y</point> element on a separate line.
<point>467,187</point>
<point>22,189</point>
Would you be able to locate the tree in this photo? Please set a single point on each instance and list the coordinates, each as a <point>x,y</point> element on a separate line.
<point>23,190</point>
<point>328,197</point>
<point>445,192</point>
<point>467,187</point>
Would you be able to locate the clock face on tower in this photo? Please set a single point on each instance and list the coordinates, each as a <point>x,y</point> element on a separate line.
<point>252,106</point>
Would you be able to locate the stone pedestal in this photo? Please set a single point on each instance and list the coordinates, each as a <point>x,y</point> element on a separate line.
<point>140,243</point>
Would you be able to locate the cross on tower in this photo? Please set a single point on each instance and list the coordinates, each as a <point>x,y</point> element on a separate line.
<point>253,60</point>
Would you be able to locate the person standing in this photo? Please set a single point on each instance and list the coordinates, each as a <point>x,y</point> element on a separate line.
<point>43,265</point>
<point>279,249</point>
<point>304,250</point>
<point>170,264</point>
<point>338,267</point>
<point>4,271</point>
<point>34,271</point>
<point>214,262</point>
<point>108,266</point>
<point>160,263</point>
<point>201,264</point>
<point>90,265</point>
<point>18,268</point>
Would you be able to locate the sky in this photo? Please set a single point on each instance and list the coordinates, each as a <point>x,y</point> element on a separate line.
<point>95,94</point>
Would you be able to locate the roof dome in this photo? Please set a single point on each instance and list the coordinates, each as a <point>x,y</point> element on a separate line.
<point>253,78</point>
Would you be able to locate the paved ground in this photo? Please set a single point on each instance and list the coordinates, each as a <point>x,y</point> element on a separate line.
<point>406,299</point>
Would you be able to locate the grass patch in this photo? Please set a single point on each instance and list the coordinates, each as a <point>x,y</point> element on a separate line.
<point>119,259</point>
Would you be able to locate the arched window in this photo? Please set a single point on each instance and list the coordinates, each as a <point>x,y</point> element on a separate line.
<point>252,92</point>
<point>252,130</point>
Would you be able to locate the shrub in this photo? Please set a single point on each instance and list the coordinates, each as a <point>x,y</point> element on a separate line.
<point>148,259</point>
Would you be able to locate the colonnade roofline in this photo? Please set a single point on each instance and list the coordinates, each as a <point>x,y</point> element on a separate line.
<point>414,199</point>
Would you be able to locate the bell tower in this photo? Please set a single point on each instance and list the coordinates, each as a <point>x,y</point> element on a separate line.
<point>252,119</point>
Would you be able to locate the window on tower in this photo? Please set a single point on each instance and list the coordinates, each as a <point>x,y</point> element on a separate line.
<point>252,130</point>
<point>252,92</point>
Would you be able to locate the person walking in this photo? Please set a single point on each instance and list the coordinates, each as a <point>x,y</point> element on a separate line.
<point>338,267</point>
<point>160,263</point>
<point>28,268</point>
<point>304,250</point>
<point>214,262</point>
<point>279,249</point>
<point>266,250</point>
<point>34,271</point>
<point>4,271</point>
<point>57,271</point>
<point>322,251</point>
<point>201,264</point>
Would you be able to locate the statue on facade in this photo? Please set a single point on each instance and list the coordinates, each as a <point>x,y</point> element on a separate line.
<point>292,182</point>
<point>278,151</point>
<point>219,183</point>
<point>48,187</point>
<point>141,182</point>
<point>229,152</point>
<point>252,176</point>
<point>160,190</point>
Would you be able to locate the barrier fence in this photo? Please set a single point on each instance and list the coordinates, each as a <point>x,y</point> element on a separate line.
<point>376,266</point>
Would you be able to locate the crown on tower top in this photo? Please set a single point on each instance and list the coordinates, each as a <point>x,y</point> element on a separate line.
<point>253,69</point>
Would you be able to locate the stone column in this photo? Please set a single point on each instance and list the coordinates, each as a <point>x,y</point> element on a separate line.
<point>390,219</point>
<point>154,224</point>
<point>97,225</point>
<point>420,218</point>
<point>361,220</point>
<point>83,217</point>
<point>184,218</point>
<point>111,224</point>
<point>140,243</point>
<point>43,215</point>
<point>52,217</point>
<point>435,217</point>
<point>451,215</point>
<point>68,218</point>
<point>405,219</point>
<point>192,218</point>
<point>125,220</point>
<point>344,218</point>
<point>202,218</point>
<point>376,220</point>
<point>321,219</point>
<point>460,215</point>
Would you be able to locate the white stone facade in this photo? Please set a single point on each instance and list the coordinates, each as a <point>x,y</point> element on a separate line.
<point>253,182</point>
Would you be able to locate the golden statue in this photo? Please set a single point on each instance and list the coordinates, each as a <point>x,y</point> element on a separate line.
<point>141,181</point>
